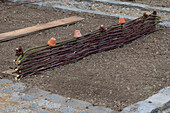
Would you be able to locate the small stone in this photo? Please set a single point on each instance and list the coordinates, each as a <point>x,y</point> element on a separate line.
<point>42,107</point>
<point>128,88</point>
<point>96,5</point>
<point>128,8</point>
<point>68,98</point>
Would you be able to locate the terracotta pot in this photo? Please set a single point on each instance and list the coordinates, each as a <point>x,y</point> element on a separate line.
<point>121,20</point>
<point>77,34</point>
<point>52,42</point>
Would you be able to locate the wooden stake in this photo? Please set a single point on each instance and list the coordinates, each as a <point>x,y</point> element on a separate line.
<point>9,73</point>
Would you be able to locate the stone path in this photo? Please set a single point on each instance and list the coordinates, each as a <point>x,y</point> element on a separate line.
<point>17,98</point>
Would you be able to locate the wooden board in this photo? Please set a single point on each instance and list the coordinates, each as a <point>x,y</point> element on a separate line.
<point>8,73</point>
<point>21,32</point>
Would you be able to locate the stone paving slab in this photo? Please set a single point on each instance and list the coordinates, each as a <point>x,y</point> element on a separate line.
<point>18,87</point>
<point>8,91</point>
<point>14,98</point>
<point>100,109</point>
<point>36,92</point>
<point>56,98</point>
<point>165,91</point>
<point>158,103</point>
<point>67,110</point>
<point>159,99</point>
<point>5,81</point>
<point>78,104</point>
<point>142,107</point>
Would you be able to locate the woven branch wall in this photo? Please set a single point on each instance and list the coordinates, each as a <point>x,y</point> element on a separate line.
<point>38,59</point>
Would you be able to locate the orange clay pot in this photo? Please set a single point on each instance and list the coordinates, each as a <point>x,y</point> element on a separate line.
<point>121,20</point>
<point>77,34</point>
<point>52,42</point>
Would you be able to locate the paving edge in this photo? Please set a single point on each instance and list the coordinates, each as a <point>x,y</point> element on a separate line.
<point>137,5</point>
<point>64,8</point>
<point>157,103</point>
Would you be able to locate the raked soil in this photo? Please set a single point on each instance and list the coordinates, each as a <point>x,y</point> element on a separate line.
<point>115,79</point>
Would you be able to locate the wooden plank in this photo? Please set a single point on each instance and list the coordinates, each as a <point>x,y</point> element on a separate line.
<point>8,73</point>
<point>21,32</point>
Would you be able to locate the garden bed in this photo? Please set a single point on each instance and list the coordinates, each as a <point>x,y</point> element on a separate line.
<point>115,79</point>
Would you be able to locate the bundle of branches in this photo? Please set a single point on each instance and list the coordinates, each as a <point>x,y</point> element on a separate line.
<point>35,60</point>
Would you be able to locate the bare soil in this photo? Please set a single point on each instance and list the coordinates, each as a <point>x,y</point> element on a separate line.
<point>159,3</point>
<point>115,79</point>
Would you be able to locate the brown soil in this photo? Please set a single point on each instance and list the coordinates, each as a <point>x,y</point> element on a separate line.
<point>159,3</point>
<point>114,79</point>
